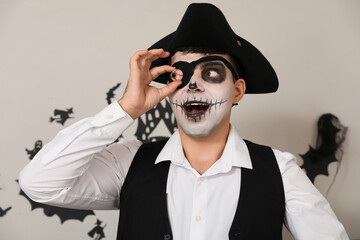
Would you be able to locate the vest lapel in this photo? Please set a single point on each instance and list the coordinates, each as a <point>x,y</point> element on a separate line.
<point>261,206</point>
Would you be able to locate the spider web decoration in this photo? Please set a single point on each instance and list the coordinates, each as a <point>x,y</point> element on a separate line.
<point>152,120</point>
<point>111,93</point>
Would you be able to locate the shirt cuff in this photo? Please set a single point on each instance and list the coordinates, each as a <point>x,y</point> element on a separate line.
<point>113,120</point>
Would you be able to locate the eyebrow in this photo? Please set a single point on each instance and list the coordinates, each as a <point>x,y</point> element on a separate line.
<point>211,63</point>
<point>216,58</point>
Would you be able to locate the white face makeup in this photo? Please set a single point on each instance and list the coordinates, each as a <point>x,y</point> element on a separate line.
<point>206,101</point>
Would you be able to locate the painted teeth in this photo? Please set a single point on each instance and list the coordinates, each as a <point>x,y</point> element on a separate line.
<point>197,104</point>
<point>203,104</point>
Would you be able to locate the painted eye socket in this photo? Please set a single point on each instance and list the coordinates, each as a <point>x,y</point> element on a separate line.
<point>215,73</point>
<point>177,74</point>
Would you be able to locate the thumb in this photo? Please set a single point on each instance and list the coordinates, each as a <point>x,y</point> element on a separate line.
<point>169,89</point>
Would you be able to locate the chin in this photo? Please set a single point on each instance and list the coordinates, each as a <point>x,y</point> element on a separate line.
<point>197,129</point>
<point>196,132</point>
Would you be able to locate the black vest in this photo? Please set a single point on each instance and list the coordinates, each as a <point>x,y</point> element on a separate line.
<point>143,203</point>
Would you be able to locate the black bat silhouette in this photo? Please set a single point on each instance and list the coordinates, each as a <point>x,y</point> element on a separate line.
<point>316,163</point>
<point>331,135</point>
<point>110,94</point>
<point>63,213</point>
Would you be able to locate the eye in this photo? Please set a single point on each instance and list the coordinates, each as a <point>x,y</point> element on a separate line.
<point>212,73</point>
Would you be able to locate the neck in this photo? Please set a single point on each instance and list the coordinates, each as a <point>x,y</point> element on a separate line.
<point>203,152</point>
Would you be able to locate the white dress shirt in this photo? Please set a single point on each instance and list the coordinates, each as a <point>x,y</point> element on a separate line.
<point>78,169</point>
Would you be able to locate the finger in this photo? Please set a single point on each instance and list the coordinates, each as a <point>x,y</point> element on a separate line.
<point>157,71</point>
<point>159,53</point>
<point>140,53</point>
<point>135,59</point>
<point>155,54</point>
<point>156,50</point>
<point>169,89</point>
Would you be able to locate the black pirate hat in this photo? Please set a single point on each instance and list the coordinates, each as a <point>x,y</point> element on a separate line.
<point>204,25</point>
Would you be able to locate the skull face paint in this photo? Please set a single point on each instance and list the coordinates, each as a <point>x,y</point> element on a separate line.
<point>206,100</point>
<point>184,70</point>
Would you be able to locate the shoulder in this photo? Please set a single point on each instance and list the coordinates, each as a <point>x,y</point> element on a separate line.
<point>286,161</point>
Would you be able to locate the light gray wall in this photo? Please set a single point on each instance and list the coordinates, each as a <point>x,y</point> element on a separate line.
<point>60,54</point>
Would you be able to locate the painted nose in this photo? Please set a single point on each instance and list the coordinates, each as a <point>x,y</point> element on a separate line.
<point>193,87</point>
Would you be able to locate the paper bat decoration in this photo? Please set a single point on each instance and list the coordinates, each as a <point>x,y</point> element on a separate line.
<point>330,136</point>
<point>110,94</point>
<point>63,213</point>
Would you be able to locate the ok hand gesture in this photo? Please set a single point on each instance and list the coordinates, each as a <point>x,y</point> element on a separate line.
<point>139,96</point>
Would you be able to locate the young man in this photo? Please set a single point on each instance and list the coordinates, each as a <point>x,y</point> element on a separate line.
<point>205,182</point>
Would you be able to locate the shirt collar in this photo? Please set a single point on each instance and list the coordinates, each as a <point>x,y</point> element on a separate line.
<point>235,154</point>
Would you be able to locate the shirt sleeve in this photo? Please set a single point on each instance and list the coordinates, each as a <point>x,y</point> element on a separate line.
<point>308,214</point>
<point>77,169</point>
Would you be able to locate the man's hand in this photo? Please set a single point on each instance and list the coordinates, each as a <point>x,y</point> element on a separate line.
<point>139,96</point>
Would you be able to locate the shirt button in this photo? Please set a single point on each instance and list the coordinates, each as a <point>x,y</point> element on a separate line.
<point>198,218</point>
<point>110,116</point>
<point>202,179</point>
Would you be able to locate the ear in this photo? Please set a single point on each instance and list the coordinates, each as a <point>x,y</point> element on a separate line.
<point>240,88</point>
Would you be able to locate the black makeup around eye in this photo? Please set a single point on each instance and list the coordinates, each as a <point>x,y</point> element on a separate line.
<point>217,69</point>
<point>213,60</point>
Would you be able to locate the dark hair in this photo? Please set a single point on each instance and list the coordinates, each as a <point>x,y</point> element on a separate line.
<point>236,64</point>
